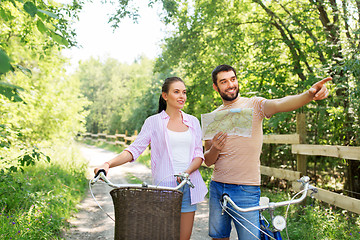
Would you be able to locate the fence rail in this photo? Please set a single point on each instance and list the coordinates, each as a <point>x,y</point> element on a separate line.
<point>298,147</point>
<point>301,150</point>
<point>117,139</point>
<point>352,153</point>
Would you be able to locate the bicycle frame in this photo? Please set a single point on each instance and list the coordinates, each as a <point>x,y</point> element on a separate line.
<point>278,222</point>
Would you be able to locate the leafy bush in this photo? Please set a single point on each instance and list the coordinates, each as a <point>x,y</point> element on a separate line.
<point>35,203</point>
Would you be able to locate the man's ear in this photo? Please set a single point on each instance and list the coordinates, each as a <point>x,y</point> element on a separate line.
<point>215,87</point>
<point>164,95</point>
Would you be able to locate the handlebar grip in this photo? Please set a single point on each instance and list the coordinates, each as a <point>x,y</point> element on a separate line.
<point>98,172</point>
<point>190,183</point>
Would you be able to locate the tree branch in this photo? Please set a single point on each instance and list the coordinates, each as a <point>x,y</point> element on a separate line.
<point>308,31</point>
<point>289,41</point>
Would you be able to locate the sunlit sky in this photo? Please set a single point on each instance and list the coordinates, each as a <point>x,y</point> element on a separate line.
<point>129,41</point>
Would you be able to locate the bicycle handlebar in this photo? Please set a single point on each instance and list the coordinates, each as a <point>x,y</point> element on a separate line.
<point>101,174</point>
<point>225,199</point>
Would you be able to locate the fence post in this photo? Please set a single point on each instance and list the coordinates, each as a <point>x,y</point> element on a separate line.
<point>301,130</point>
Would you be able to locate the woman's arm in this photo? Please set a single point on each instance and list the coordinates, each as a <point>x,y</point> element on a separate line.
<point>120,159</point>
<point>194,165</point>
<point>133,151</point>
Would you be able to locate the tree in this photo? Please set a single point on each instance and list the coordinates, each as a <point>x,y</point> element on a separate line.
<point>122,95</point>
<point>37,17</point>
<point>32,36</point>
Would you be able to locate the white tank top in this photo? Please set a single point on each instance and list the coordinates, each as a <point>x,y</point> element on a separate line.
<point>180,143</point>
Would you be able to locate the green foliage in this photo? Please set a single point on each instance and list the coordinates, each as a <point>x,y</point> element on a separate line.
<point>35,203</point>
<point>4,62</point>
<point>145,158</point>
<point>122,95</point>
<point>323,223</point>
<point>130,9</point>
<point>133,179</point>
<point>206,174</point>
<point>314,220</point>
<point>38,102</point>
<point>11,92</point>
<point>40,16</point>
<point>279,48</point>
<point>27,157</point>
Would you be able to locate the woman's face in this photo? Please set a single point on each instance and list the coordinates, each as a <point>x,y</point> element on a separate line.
<point>176,96</point>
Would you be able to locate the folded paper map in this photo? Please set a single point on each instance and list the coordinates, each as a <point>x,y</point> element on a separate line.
<point>237,121</point>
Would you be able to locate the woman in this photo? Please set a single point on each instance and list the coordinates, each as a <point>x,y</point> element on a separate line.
<point>176,147</point>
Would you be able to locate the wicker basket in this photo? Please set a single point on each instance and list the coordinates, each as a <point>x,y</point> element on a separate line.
<point>146,213</point>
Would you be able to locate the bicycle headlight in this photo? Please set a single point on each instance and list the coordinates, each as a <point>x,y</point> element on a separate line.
<point>279,223</point>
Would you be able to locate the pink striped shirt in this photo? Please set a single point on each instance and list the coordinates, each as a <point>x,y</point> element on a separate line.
<point>154,132</point>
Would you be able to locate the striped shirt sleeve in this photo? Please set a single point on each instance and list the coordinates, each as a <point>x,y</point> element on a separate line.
<point>142,140</point>
<point>198,152</point>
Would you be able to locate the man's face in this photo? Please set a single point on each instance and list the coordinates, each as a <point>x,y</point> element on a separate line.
<point>227,85</point>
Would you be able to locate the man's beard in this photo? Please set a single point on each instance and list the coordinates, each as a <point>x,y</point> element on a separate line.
<point>229,98</point>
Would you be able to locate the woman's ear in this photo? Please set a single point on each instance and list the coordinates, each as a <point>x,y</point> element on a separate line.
<point>164,95</point>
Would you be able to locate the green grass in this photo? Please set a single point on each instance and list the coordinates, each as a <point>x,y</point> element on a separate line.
<point>133,179</point>
<point>313,219</point>
<point>104,145</point>
<point>35,204</point>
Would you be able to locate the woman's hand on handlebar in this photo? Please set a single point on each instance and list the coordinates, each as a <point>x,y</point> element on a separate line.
<point>181,176</point>
<point>104,166</point>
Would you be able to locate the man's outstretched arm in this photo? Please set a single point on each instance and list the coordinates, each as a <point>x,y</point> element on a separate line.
<point>318,91</point>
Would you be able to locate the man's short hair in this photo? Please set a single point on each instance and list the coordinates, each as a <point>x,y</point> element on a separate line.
<point>221,68</point>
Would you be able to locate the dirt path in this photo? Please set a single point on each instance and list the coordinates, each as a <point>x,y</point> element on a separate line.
<point>92,223</point>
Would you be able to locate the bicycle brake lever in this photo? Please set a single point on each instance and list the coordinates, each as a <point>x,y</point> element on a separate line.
<point>313,191</point>
<point>304,179</point>
<point>97,176</point>
<point>223,202</point>
<point>186,176</point>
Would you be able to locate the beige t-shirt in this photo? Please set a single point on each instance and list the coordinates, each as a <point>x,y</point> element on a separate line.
<point>239,160</point>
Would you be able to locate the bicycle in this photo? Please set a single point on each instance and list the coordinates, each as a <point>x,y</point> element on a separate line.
<point>278,222</point>
<point>145,211</point>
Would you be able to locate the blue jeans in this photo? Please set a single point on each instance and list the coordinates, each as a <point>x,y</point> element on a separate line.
<point>186,201</point>
<point>244,196</point>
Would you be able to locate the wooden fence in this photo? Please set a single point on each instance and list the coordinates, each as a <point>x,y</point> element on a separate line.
<point>298,146</point>
<point>117,139</point>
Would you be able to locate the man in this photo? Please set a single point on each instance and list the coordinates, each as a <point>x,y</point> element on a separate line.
<point>237,158</point>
